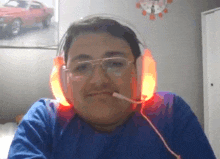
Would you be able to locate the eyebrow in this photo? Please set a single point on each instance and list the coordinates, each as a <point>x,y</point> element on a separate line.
<point>115,53</point>
<point>81,57</point>
<point>107,54</point>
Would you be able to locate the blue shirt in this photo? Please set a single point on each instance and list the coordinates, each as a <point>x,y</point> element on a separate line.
<point>47,131</point>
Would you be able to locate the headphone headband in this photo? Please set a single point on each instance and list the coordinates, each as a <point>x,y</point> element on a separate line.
<point>142,45</point>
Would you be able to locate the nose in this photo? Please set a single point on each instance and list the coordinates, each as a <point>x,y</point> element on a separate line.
<point>99,75</point>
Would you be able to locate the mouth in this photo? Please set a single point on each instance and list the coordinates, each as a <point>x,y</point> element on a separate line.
<point>100,94</point>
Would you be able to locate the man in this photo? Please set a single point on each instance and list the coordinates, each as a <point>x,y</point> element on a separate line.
<point>100,58</point>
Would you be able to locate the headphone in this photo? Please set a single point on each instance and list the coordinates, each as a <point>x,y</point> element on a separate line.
<point>145,65</point>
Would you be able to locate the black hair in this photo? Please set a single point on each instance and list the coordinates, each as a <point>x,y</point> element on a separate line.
<point>100,25</point>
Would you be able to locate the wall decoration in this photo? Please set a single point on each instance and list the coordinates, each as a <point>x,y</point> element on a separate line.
<point>153,7</point>
<point>28,23</point>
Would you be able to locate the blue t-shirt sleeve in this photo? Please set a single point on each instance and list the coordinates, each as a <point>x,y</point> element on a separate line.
<point>33,138</point>
<point>189,138</point>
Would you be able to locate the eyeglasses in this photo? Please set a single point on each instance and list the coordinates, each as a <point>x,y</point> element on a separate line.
<point>113,66</point>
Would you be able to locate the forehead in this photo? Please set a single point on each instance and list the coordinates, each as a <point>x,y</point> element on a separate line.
<point>99,45</point>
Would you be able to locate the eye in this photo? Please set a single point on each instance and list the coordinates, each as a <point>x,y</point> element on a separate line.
<point>81,68</point>
<point>116,63</point>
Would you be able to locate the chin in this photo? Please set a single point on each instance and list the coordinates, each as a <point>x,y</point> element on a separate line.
<point>107,117</point>
<point>103,118</point>
<point>108,123</point>
<point>104,124</point>
<point>100,112</point>
<point>100,115</point>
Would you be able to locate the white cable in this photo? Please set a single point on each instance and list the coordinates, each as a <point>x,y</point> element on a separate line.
<point>151,124</point>
<point>161,137</point>
<point>125,98</point>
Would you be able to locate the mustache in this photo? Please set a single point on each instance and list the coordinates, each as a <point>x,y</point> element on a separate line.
<point>104,88</point>
<point>102,92</point>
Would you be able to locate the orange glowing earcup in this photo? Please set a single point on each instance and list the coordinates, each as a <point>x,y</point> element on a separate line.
<point>58,81</point>
<point>146,76</point>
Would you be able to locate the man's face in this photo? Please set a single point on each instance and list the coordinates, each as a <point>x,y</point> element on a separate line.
<point>92,94</point>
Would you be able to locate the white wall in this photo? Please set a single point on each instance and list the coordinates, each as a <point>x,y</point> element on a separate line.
<point>24,78</point>
<point>71,11</point>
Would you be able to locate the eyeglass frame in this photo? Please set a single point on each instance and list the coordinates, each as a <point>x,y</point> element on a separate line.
<point>100,63</point>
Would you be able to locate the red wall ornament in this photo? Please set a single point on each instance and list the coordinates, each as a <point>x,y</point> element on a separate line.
<point>153,7</point>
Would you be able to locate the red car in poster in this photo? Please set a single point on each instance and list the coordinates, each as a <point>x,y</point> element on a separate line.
<point>23,13</point>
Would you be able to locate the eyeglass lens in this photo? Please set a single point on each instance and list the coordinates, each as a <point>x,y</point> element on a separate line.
<point>114,65</point>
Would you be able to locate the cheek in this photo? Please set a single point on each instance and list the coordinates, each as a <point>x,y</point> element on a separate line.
<point>127,85</point>
<point>76,89</point>
<point>133,86</point>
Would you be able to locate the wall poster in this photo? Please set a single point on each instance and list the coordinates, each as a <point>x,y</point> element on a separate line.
<point>29,23</point>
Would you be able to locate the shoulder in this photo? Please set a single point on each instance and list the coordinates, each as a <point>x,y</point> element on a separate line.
<point>43,110</point>
<point>49,111</point>
<point>168,107</point>
<point>171,109</point>
<point>177,105</point>
<point>169,101</point>
<point>44,105</point>
<point>34,134</point>
<point>160,102</point>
